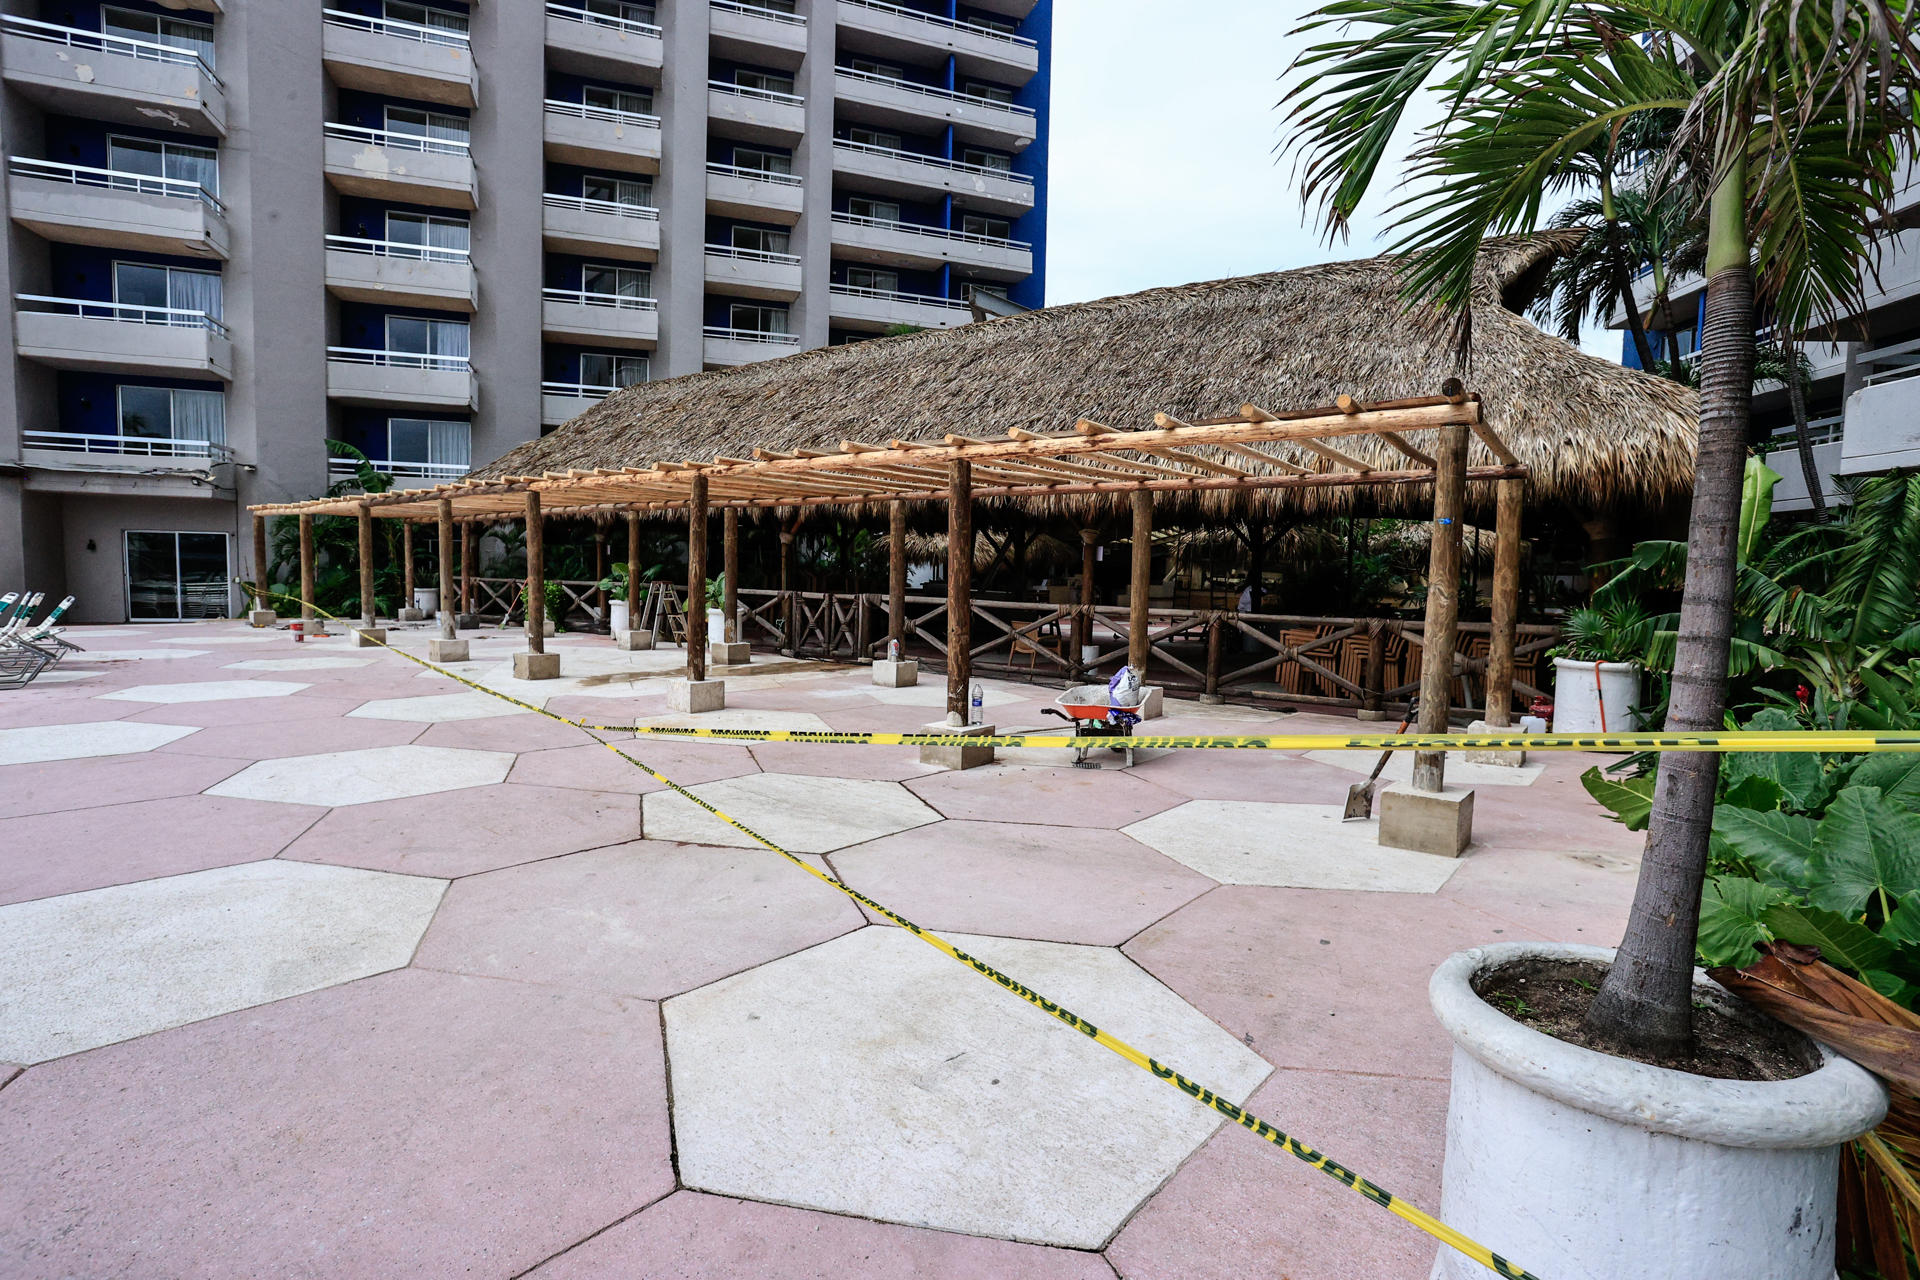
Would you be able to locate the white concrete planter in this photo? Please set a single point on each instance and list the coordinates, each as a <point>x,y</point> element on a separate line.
<point>716,626</point>
<point>617,616</point>
<point>427,600</point>
<point>1577,1165</point>
<point>1587,693</point>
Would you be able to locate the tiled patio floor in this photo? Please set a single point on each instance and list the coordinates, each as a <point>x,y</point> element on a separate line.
<point>320,965</point>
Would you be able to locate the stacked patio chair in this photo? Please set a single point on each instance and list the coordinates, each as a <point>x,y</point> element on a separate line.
<point>28,648</point>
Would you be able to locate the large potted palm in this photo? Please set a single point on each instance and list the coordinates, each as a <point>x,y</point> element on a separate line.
<point>1589,1153</point>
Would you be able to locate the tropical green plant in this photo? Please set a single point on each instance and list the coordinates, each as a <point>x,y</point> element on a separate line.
<point>1628,228</point>
<point>615,583</point>
<point>336,548</point>
<point>716,592</point>
<point>1619,632</point>
<point>556,604</point>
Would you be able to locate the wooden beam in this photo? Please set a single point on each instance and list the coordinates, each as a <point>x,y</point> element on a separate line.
<point>1509,498</point>
<point>449,607</point>
<point>1399,442</point>
<point>536,575</point>
<point>1331,454</point>
<point>1443,603</point>
<point>959,587</point>
<point>1494,443</point>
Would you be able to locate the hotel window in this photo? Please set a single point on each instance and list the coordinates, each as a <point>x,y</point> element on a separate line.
<point>765,81</point>
<point>173,413</point>
<point>155,28</point>
<point>618,10</point>
<point>874,278</point>
<point>985,159</point>
<point>873,67</point>
<point>140,284</point>
<point>637,102</point>
<point>599,369</point>
<point>445,339</point>
<point>975,224</point>
<point>756,319</point>
<point>878,210</point>
<point>613,280</point>
<point>759,240</point>
<point>991,92</point>
<point>165,160</point>
<point>762,161</point>
<point>430,442</point>
<point>616,190</point>
<point>424,15</point>
<point>874,138</point>
<point>436,126</point>
<point>430,232</point>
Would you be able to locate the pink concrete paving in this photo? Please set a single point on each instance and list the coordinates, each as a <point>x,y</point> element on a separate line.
<point>502,1103</point>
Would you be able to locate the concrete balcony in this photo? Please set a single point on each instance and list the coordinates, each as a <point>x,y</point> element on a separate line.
<point>751,33</point>
<point>103,77</point>
<point>599,319</point>
<point>398,59</point>
<point>749,273</point>
<point>869,99</point>
<point>402,167</point>
<point>579,134</point>
<point>1882,430</point>
<point>75,204</point>
<point>875,310</point>
<point>725,348</point>
<point>908,174</point>
<point>359,376</point>
<point>754,194</point>
<point>756,115</point>
<point>1791,493</point>
<point>407,275</point>
<point>593,44</point>
<point>902,244</point>
<point>125,466</point>
<point>890,31</point>
<point>405,475</point>
<point>564,401</point>
<point>604,228</point>
<point>112,337</point>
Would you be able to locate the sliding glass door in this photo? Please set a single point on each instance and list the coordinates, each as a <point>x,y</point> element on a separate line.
<point>175,576</point>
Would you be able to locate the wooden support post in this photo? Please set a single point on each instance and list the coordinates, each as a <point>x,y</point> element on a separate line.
<point>730,571</point>
<point>406,572</point>
<point>466,567</point>
<point>897,574</point>
<point>1443,602</point>
<point>789,614</point>
<point>959,586</point>
<point>260,584</point>
<point>1213,658</point>
<point>366,566</point>
<point>306,574</point>
<point>1083,622</point>
<point>536,575</point>
<point>1139,648</point>
<point>633,570</point>
<point>697,578</point>
<point>1374,684</point>
<point>448,606</point>
<point>1510,497</point>
<point>600,571</point>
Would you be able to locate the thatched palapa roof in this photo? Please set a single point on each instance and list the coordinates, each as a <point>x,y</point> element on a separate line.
<point>1595,436</point>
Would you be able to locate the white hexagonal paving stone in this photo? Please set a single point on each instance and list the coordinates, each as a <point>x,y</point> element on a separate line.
<point>203,638</point>
<point>737,718</point>
<point>364,776</point>
<point>935,695</point>
<point>134,655</point>
<point>205,691</point>
<point>875,1076</point>
<point>1297,846</point>
<point>438,708</point>
<point>299,664</point>
<point>88,969</point>
<point>799,813</point>
<point>1460,773</point>
<point>81,741</point>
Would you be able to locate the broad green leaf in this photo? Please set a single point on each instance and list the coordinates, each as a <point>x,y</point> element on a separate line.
<point>1797,773</point>
<point>1630,802</point>
<point>1903,926</point>
<point>1756,505</point>
<point>1897,774</point>
<point>1864,846</point>
<point>1731,908</point>
<point>1779,845</point>
<point>1754,792</point>
<point>1844,942</point>
<point>1892,986</point>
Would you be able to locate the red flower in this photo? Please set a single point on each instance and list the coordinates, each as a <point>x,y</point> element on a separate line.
<point>1803,693</point>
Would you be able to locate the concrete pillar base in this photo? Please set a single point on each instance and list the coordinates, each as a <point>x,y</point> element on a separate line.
<point>411,615</point>
<point>536,666</point>
<point>1505,759</point>
<point>1426,821</point>
<point>1212,699</point>
<point>901,674</point>
<point>439,650</point>
<point>958,757</point>
<point>634,641</point>
<point>369,637</point>
<point>1153,702</point>
<point>1371,717</point>
<point>262,618</point>
<point>466,621</point>
<point>696,696</point>
<point>734,653</point>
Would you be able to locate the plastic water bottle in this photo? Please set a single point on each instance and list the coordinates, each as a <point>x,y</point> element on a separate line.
<point>893,650</point>
<point>978,703</point>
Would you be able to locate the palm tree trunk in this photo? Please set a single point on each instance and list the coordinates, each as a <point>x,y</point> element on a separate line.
<point>1646,1002</point>
<point>1623,284</point>
<point>1802,438</point>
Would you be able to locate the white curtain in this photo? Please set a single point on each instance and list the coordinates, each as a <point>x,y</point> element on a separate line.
<point>449,338</point>
<point>448,443</point>
<point>200,415</point>
<point>194,291</point>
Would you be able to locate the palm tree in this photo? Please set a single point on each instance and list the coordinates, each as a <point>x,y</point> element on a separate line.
<point>1790,367</point>
<point>1792,121</point>
<point>1628,230</point>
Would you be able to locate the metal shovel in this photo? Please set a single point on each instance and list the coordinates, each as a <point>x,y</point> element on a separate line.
<point>1360,794</point>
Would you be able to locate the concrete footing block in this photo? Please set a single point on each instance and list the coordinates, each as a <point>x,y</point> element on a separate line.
<point>902,673</point>
<point>536,666</point>
<point>411,615</point>
<point>732,653</point>
<point>633,641</point>
<point>1371,717</point>
<point>961,757</point>
<point>1426,821</point>
<point>1153,701</point>
<point>262,618</point>
<point>1505,759</point>
<point>369,637</point>
<point>443,650</point>
<point>466,621</point>
<point>696,695</point>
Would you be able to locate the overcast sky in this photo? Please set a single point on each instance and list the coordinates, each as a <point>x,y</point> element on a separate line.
<point>1163,163</point>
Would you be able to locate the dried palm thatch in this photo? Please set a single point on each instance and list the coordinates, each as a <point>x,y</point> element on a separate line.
<point>1595,435</point>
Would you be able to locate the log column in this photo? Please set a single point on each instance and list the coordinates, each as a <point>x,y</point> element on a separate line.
<point>697,579</point>
<point>1139,644</point>
<point>466,567</point>
<point>1083,622</point>
<point>448,606</point>
<point>730,572</point>
<point>789,614</point>
<point>897,574</point>
<point>633,570</point>
<point>959,586</point>
<point>1443,602</point>
<point>366,566</point>
<point>1510,498</point>
<point>536,576</point>
<point>406,571</point>
<point>307,616</point>
<point>262,602</point>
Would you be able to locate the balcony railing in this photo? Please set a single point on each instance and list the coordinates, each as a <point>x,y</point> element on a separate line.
<point>615,207</point>
<point>398,141</point>
<point>945,95</point>
<point>940,233</point>
<point>126,46</point>
<point>915,157</point>
<point>754,335</point>
<point>567,13</point>
<point>752,255</point>
<point>349,468</point>
<point>581,297</point>
<point>126,446</point>
<point>972,28</point>
<point>582,111</point>
<point>1891,363</point>
<point>125,313</point>
<point>398,249</point>
<point>762,95</point>
<point>113,180</point>
<point>577,390</point>
<point>760,11</point>
<point>753,175</point>
<point>401,359</point>
<point>394,27</point>
<point>1824,430</point>
<point>895,295</point>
